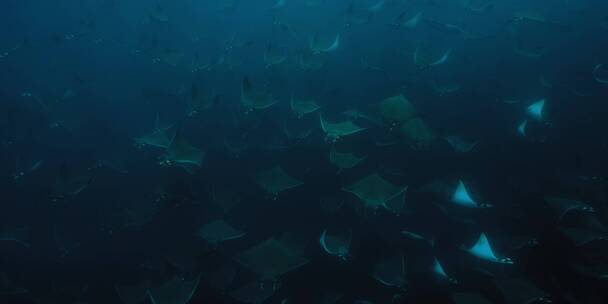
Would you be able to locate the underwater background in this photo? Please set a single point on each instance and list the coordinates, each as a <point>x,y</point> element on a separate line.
<point>304,151</point>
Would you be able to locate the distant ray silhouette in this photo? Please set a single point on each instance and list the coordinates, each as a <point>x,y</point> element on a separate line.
<point>218,231</point>
<point>418,133</point>
<point>308,60</point>
<point>562,207</point>
<point>301,107</point>
<point>317,46</point>
<point>275,180</point>
<point>522,128</point>
<point>396,110</point>
<point>335,131</point>
<point>344,160</point>
<point>159,137</point>
<point>270,259</point>
<point>374,191</point>
<point>460,145</point>
<point>180,152</point>
<point>255,100</point>
<point>273,56</point>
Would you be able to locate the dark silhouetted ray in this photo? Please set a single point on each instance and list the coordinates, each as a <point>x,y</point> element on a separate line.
<point>374,191</point>
<point>460,145</point>
<point>337,130</point>
<point>396,110</point>
<point>271,259</point>
<point>275,180</point>
<point>219,231</point>
<point>301,107</point>
<point>274,56</point>
<point>418,133</point>
<point>344,160</point>
<point>180,152</point>
<point>255,100</point>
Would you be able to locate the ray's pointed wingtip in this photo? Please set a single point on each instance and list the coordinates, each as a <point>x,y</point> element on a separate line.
<point>461,196</point>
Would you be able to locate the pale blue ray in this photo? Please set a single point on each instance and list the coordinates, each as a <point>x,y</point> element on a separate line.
<point>535,110</point>
<point>483,250</point>
<point>461,197</point>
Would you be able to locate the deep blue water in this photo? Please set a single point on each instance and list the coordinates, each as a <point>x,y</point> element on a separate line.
<point>130,129</point>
